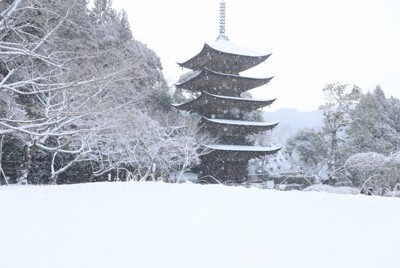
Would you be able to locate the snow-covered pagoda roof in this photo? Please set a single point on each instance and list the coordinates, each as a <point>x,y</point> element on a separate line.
<point>236,128</point>
<point>231,48</point>
<point>207,104</point>
<point>242,148</point>
<point>225,57</point>
<point>220,83</point>
<point>241,122</point>
<point>239,153</point>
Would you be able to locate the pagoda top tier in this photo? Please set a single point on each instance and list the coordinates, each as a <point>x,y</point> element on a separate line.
<point>225,57</point>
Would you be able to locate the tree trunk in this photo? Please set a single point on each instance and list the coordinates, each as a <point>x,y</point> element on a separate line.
<point>1,154</point>
<point>53,179</point>
<point>29,150</point>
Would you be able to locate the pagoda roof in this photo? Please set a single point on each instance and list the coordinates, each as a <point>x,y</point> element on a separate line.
<point>236,128</point>
<point>221,83</point>
<point>242,148</point>
<point>223,152</point>
<point>228,47</point>
<point>241,123</point>
<point>207,103</point>
<point>224,56</point>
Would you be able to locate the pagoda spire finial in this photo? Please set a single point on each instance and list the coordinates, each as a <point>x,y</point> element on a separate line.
<point>222,35</point>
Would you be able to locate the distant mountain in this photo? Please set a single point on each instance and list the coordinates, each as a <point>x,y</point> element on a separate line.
<point>290,120</point>
<point>295,118</point>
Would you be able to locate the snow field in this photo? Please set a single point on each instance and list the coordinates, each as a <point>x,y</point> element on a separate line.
<point>165,225</point>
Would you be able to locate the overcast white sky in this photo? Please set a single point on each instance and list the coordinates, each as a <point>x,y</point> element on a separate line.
<point>313,42</point>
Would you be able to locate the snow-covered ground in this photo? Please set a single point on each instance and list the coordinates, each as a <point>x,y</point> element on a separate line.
<point>164,225</point>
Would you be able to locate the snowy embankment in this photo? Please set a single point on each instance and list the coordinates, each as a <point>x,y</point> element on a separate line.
<point>162,225</point>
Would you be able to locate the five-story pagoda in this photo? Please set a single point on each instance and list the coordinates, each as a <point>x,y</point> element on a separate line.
<point>215,74</point>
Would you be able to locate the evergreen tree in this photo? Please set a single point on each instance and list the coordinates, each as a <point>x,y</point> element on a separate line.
<point>372,128</point>
<point>309,147</point>
<point>103,12</point>
<point>394,115</point>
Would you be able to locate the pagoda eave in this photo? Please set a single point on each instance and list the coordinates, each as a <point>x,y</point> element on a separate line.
<point>208,104</point>
<point>239,123</point>
<point>236,128</point>
<point>208,80</point>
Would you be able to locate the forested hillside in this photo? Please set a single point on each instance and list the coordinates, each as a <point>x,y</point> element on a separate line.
<point>358,144</point>
<point>82,100</point>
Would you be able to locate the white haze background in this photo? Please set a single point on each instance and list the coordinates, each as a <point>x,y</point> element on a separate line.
<point>313,42</point>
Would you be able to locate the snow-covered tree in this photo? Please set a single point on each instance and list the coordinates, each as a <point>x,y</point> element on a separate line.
<point>308,147</point>
<point>373,127</point>
<point>67,78</point>
<point>374,172</point>
<point>35,72</point>
<point>393,170</point>
<point>395,114</point>
<point>339,102</point>
<point>150,147</point>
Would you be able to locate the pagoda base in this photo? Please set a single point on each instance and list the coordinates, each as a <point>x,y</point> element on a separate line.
<point>214,172</point>
<point>228,163</point>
